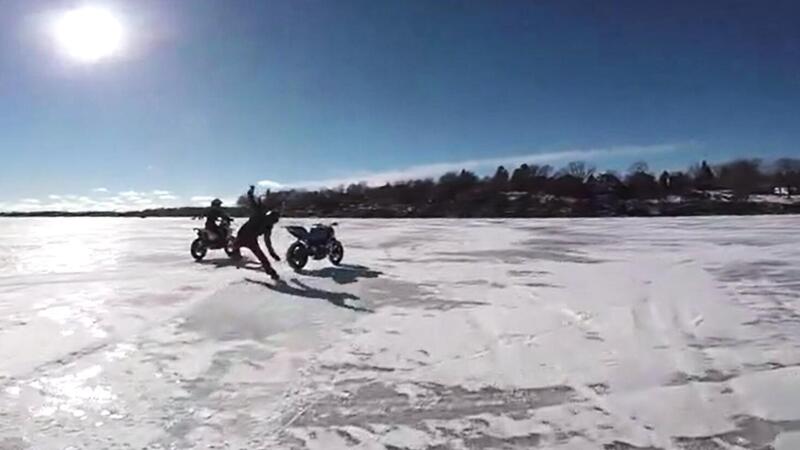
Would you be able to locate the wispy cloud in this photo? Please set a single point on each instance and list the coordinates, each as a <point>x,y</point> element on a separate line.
<point>100,190</point>
<point>270,184</point>
<point>435,170</point>
<point>124,201</point>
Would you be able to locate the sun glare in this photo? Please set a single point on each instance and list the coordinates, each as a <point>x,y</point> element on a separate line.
<point>88,34</point>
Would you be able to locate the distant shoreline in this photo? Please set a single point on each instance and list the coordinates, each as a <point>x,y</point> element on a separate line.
<point>554,208</point>
<point>739,187</point>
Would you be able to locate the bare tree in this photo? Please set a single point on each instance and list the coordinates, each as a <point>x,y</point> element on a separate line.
<point>663,181</point>
<point>578,169</point>
<point>702,175</point>
<point>742,176</point>
<point>639,167</point>
<point>544,171</point>
<point>787,165</point>
<point>520,179</point>
<point>787,174</point>
<point>501,177</point>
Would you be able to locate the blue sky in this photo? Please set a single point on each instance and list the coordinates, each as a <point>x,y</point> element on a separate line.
<point>207,96</point>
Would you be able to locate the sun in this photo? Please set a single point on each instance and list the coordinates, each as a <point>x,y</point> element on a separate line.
<point>88,34</point>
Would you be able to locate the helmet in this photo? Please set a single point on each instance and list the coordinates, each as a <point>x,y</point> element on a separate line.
<point>216,202</point>
<point>273,216</point>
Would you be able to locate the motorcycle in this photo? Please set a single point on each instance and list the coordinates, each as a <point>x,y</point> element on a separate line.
<point>206,240</point>
<point>319,242</point>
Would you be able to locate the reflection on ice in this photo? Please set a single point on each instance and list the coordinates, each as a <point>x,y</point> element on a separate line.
<point>120,351</point>
<point>70,256</point>
<point>63,246</point>
<point>13,391</point>
<point>72,394</point>
<point>81,309</point>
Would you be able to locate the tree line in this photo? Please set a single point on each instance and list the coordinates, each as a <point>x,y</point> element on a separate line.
<point>533,190</point>
<point>577,189</point>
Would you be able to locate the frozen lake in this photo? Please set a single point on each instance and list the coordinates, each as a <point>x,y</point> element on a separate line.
<point>436,334</point>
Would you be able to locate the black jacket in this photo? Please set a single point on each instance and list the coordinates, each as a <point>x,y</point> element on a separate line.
<point>212,214</point>
<point>258,223</point>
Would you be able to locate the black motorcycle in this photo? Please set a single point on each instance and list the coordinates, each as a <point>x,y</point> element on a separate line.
<point>319,242</point>
<point>206,240</point>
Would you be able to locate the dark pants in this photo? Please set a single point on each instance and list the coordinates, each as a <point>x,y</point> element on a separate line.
<point>251,243</point>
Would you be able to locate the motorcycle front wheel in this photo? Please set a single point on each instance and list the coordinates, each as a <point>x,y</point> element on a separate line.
<point>337,253</point>
<point>230,251</point>
<point>198,249</point>
<point>297,256</point>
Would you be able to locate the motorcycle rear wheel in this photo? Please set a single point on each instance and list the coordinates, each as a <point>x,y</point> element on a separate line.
<point>297,256</point>
<point>198,249</point>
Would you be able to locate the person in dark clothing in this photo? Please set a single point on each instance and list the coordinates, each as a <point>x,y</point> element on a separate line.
<point>260,223</point>
<point>213,213</point>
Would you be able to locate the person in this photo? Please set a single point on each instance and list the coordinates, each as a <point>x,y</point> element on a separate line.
<point>213,213</point>
<point>260,223</point>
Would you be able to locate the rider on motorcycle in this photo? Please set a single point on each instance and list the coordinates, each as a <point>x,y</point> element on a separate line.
<point>213,213</point>
<point>260,222</point>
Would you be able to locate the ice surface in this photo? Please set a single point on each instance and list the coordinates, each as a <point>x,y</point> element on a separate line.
<point>595,333</point>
